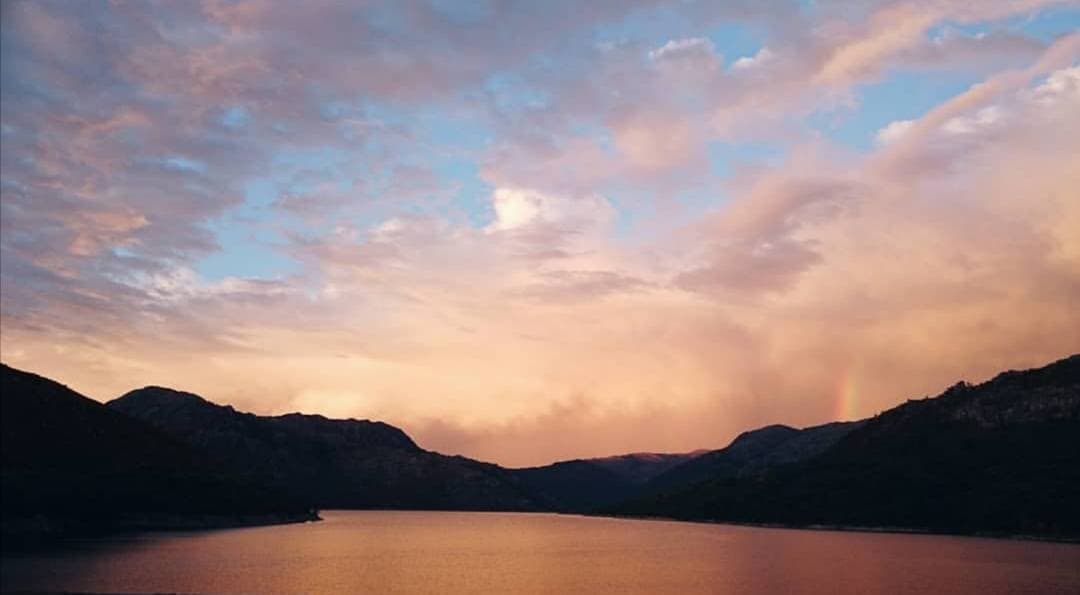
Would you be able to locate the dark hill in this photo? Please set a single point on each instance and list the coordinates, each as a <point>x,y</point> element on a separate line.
<point>583,485</point>
<point>335,463</point>
<point>751,452</point>
<point>586,485</point>
<point>999,457</point>
<point>640,467</point>
<point>70,464</point>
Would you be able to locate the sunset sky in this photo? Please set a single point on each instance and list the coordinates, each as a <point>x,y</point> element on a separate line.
<point>529,231</point>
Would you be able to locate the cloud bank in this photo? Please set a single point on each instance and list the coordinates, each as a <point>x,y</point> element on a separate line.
<point>528,232</point>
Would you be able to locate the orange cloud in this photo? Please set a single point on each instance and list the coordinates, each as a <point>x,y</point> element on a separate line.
<point>546,330</point>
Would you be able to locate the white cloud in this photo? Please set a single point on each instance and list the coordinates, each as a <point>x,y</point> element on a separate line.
<point>1064,83</point>
<point>519,207</point>
<point>763,56</point>
<point>980,120</point>
<point>894,131</point>
<point>691,46</point>
<point>514,208</point>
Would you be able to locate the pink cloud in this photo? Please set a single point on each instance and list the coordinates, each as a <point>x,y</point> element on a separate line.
<point>536,319</point>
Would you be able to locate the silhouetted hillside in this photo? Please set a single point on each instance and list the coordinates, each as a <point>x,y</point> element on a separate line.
<point>751,452</point>
<point>999,457</point>
<point>583,485</point>
<point>641,467</point>
<point>335,463</point>
<point>71,464</point>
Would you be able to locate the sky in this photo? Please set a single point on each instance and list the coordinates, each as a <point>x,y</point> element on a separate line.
<point>531,231</point>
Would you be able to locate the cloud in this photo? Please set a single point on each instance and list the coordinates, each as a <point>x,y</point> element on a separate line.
<point>521,247</point>
<point>694,48</point>
<point>763,56</point>
<point>654,142</point>
<point>514,208</point>
<point>893,131</point>
<point>984,118</point>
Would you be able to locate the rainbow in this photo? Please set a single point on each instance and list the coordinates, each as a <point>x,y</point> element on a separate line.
<point>847,397</point>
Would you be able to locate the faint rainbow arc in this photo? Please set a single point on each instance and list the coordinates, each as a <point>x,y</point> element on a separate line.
<point>847,397</point>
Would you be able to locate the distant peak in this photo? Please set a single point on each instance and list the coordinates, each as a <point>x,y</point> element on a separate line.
<point>767,432</point>
<point>769,429</point>
<point>154,388</point>
<point>161,395</point>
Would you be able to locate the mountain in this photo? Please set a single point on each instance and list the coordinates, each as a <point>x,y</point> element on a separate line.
<point>587,485</point>
<point>334,463</point>
<point>640,467</point>
<point>70,464</point>
<point>1000,457</point>
<point>751,452</point>
<point>583,485</point>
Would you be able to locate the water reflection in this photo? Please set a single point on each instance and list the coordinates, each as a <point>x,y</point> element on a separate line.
<point>441,552</point>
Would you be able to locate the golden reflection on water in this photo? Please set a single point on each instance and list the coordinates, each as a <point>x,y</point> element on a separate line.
<point>447,552</point>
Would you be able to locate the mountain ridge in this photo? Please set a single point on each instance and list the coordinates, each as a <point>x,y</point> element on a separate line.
<point>752,451</point>
<point>1000,456</point>
<point>581,485</point>
<point>335,463</point>
<point>71,465</point>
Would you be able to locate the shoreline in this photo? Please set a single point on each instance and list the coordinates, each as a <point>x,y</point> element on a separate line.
<point>38,531</point>
<point>847,528</point>
<point>43,532</point>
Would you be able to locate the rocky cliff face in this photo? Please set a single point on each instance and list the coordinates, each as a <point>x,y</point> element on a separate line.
<point>1010,398</point>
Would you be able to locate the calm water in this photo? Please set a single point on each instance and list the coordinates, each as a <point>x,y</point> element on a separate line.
<point>445,552</point>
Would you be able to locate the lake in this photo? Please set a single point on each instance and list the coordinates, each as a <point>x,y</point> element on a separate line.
<point>450,552</point>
